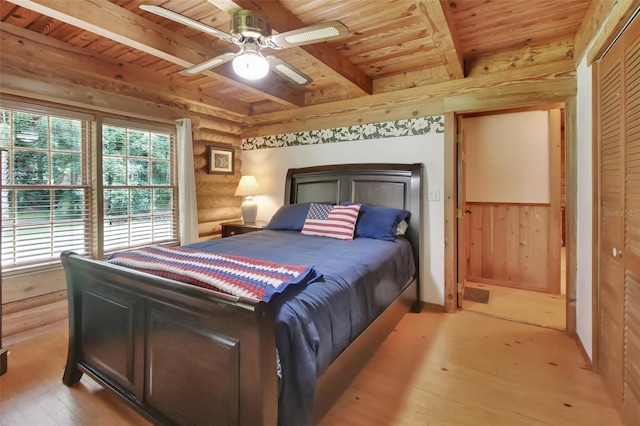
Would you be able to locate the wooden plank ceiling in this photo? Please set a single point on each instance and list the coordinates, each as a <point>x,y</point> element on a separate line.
<point>393,44</point>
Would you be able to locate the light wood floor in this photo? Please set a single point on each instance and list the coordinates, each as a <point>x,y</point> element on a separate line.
<point>434,369</point>
<point>32,393</point>
<point>530,307</point>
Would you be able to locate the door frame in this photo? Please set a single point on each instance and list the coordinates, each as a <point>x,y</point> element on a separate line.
<point>462,225</point>
<point>452,237</point>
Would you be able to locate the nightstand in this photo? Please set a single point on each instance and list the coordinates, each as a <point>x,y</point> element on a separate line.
<point>238,227</point>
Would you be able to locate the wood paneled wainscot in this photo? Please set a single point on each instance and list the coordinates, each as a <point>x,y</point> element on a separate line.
<point>508,245</point>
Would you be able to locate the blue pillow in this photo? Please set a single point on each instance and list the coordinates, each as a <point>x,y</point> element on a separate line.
<point>290,217</point>
<point>380,223</point>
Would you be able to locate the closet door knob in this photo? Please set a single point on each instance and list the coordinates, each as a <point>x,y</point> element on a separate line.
<point>617,253</point>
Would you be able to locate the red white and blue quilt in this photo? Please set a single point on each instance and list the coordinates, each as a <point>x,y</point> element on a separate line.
<point>235,275</point>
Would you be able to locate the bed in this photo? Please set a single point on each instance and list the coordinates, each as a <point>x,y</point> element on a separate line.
<point>180,354</point>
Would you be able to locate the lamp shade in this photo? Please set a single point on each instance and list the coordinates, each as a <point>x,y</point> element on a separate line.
<point>248,185</point>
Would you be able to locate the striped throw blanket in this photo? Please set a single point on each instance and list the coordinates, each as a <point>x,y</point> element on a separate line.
<point>235,275</point>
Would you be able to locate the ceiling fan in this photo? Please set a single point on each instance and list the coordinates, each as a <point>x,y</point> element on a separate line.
<point>251,32</point>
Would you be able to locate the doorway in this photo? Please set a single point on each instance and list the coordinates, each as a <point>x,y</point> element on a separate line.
<point>510,218</point>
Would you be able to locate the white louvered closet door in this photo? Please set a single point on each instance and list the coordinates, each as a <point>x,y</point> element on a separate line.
<point>619,258</point>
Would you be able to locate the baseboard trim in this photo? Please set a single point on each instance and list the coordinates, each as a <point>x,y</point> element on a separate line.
<point>433,307</point>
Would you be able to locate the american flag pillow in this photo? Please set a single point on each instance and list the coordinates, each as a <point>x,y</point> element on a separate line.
<point>330,221</point>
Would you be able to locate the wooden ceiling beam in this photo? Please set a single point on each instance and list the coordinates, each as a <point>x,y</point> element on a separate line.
<point>321,54</point>
<point>593,19</point>
<point>522,57</point>
<point>443,33</point>
<point>56,91</point>
<point>78,63</point>
<point>552,82</point>
<point>108,20</point>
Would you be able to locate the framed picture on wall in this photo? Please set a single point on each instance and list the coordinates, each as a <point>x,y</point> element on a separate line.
<point>221,160</point>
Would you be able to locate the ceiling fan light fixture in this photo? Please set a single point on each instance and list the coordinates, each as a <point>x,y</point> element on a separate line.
<point>250,63</point>
<point>251,31</point>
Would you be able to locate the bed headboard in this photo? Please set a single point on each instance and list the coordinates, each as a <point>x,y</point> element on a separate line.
<point>387,185</point>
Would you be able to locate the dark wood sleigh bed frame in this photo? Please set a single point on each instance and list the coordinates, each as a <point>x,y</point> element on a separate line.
<point>180,354</point>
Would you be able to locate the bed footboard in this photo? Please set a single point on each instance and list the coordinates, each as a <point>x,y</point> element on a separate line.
<point>177,353</point>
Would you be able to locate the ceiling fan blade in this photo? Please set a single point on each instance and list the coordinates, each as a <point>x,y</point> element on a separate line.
<point>208,64</point>
<point>307,35</point>
<point>174,16</point>
<point>288,71</point>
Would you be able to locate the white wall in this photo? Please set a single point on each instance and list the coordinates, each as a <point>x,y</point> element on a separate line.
<point>584,243</point>
<point>270,167</point>
<point>508,158</point>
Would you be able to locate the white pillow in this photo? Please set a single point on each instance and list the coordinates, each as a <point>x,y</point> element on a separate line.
<point>402,227</point>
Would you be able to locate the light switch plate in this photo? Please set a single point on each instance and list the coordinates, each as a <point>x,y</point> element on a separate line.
<point>433,195</point>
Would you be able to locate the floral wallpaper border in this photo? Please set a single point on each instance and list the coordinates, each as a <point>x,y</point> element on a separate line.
<point>410,127</point>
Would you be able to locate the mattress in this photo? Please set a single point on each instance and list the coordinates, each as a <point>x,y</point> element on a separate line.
<point>316,322</point>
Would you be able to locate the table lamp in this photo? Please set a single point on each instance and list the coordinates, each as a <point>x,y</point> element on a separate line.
<point>247,188</point>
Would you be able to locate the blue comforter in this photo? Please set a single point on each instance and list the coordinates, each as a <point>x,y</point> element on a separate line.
<point>316,322</point>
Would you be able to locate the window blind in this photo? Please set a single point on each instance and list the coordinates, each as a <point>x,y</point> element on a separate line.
<point>45,185</point>
<point>139,186</point>
<point>72,181</point>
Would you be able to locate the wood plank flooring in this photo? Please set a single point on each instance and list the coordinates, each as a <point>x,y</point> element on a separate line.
<point>32,393</point>
<point>469,369</point>
<point>434,369</point>
<point>530,307</point>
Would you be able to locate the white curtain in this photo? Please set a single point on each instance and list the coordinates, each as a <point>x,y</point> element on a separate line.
<point>186,184</point>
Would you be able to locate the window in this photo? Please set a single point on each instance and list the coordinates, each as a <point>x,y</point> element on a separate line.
<point>51,204</point>
<point>139,187</point>
<point>45,186</point>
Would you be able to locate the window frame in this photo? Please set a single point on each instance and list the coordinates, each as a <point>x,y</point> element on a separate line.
<point>99,208</point>
<point>91,153</point>
<point>87,120</point>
